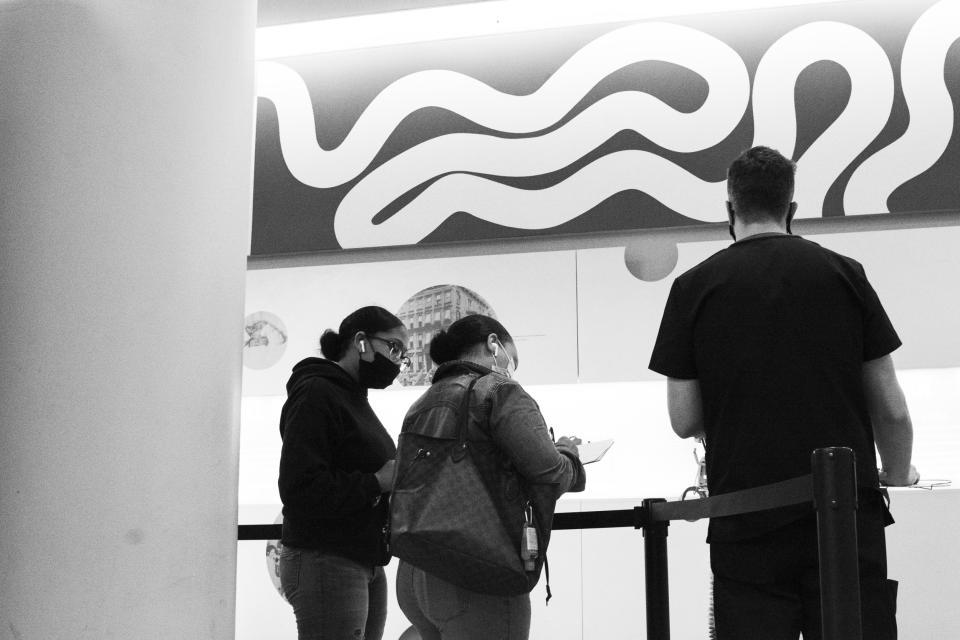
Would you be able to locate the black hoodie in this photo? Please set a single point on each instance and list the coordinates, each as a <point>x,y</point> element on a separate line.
<point>333,444</point>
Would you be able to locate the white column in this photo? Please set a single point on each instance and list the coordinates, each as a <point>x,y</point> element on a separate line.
<point>126,135</point>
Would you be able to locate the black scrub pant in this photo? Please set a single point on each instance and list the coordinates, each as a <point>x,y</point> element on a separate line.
<point>767,588</point>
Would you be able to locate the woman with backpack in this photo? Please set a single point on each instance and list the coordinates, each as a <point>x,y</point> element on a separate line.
<point>467,566</point>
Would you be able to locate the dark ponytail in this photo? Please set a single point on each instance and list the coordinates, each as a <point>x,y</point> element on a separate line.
<point>330,345</point>
<point>334,344</point>
<point>463,335</point>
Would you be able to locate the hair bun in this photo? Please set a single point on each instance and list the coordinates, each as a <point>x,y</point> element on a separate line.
<point>443,347</point>
<point>456,341</point>
<point>330,345</point>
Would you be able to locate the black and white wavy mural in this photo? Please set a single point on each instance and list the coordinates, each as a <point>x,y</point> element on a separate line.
<point>607,128</point>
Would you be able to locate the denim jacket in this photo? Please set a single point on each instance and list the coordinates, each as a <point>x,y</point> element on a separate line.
<point>502,414</point>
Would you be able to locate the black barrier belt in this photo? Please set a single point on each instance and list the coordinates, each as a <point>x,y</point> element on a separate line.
<point>259,531</point>
<point>769,496</point>
<point>596,519</point>
<point>584,520</point>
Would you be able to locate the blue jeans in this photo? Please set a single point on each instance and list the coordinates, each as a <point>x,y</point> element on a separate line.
<point>443,611</point>
<point>333,598</point>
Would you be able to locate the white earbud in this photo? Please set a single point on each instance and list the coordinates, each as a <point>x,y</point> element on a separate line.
<point>362,347</point>
<point>496,350</point>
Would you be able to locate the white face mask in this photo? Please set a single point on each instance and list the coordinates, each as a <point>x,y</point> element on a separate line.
<point>504,371</point>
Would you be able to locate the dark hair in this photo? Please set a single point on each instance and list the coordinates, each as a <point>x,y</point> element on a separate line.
<point>760,184</point>
<point>367,319</point>
<point>464,334</point>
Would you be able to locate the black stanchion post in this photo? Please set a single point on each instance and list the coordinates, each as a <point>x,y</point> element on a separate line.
<point>655,570</point>
<point>835,498</point>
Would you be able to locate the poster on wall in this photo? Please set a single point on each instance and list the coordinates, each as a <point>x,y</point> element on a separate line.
<point>265,340</point>
<point>607,128</point>
<point>532,295</point>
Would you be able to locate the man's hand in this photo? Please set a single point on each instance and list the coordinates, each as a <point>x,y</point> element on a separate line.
<point>888,480</point>
<point>892,427</point>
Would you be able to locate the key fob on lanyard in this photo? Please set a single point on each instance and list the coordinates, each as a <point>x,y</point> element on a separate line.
<point>529,545</point>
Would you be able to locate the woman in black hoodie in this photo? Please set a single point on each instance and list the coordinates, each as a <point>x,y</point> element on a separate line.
<point>336,467</point>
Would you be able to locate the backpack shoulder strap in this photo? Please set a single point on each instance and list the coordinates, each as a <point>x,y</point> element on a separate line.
<point>464,417</point>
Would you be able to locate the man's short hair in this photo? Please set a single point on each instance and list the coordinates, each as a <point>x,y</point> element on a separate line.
<point>760,184</point>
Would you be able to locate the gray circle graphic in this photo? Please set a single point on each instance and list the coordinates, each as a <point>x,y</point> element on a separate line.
<point>427,312</point>
<point>264,340</point>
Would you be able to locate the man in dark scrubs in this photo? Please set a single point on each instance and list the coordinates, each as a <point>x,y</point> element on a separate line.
<point>774,347</point>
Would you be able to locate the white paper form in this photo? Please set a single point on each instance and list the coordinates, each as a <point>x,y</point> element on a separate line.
<point>593,451</point>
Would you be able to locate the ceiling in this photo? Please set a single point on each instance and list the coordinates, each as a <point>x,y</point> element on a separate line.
<point>274,12</point>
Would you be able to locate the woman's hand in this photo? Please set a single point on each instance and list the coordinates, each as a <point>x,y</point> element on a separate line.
<point>385,476</point>
<point>571,442</point>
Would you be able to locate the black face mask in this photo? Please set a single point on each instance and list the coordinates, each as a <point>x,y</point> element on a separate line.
<point>378,374</point>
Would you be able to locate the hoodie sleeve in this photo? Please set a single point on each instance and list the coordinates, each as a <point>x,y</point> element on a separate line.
<point>518,428</point>
<point>309,482</point>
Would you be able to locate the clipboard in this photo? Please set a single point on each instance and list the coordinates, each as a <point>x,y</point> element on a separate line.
<point>593,451</point>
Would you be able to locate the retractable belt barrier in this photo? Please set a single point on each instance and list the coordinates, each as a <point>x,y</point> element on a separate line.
<point>832,489</point>
<point>780,494</point>
<point>769,496</point>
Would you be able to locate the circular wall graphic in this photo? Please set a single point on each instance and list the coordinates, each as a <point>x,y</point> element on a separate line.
<point>427,312</point>
<point>264,340</point>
